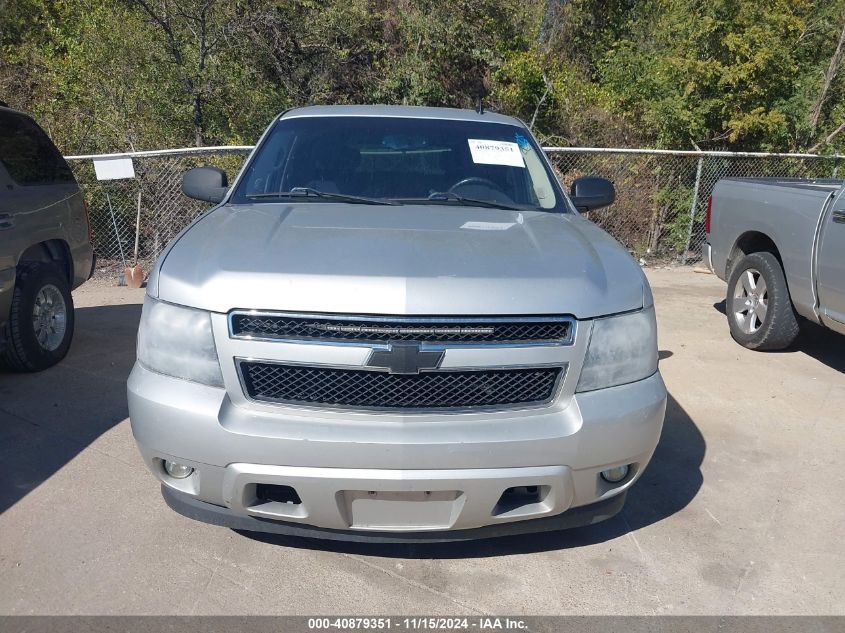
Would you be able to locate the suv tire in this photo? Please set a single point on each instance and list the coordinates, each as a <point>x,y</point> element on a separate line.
<point>758,306</point>
<point>40,326</point>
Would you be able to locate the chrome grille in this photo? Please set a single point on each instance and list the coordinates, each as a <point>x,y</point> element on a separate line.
<point>294,384</point>
<point>457,330</point>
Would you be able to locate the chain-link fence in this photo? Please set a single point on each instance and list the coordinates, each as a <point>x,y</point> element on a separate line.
<point>661,195</point>
<point>113,205</point>
<point>659,212</point>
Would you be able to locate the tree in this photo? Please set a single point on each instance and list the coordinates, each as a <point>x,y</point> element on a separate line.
<point>738,74</point>
<point>193,33</point>
<point>827,82</point>
<point>722,73</point>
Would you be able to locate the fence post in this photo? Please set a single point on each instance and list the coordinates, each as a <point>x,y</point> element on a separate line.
<point>693,208</point>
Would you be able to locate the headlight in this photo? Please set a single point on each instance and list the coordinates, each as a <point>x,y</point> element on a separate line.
<point>622,349</point>
<point>178,342</point>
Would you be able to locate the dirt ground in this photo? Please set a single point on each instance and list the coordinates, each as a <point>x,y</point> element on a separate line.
<point>740,512</point>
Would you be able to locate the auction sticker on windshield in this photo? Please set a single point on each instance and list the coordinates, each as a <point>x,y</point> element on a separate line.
<point>495,153</point>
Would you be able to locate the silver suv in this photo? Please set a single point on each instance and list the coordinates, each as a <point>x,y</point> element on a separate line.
<point>45,246</point>
<point>396,326</point>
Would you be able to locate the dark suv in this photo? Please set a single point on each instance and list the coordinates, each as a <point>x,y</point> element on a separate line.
<point>45,246</point>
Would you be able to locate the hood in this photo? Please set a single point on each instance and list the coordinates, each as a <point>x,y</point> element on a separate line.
<point>398,260</point>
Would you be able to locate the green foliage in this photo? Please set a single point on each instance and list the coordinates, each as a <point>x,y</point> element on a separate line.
<point>678,199</point>
<point>137,74</point>
<point>444,54</point>
<point>724,73</point>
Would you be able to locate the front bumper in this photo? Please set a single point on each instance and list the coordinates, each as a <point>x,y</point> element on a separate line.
<point>368,474</point>
<point>581,516</point>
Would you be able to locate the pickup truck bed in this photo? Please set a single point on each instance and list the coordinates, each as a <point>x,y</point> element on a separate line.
<point>801,225</point>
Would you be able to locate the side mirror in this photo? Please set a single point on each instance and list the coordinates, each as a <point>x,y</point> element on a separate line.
<point>592,192</point>
<point>205,183</point>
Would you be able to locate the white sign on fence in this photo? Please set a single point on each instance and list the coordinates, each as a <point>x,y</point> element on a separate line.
<point>114,168</point>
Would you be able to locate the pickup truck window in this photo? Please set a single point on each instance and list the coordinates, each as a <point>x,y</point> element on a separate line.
<point>404,160</point>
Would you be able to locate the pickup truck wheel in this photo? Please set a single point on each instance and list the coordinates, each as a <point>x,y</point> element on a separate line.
<point>40,325</point>
<point>759,309</point>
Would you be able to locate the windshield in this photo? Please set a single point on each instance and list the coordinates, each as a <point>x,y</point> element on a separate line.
<point>400,160</point>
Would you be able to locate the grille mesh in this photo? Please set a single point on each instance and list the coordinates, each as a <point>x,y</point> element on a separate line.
<point>308,328</point>
<point>291,384</point>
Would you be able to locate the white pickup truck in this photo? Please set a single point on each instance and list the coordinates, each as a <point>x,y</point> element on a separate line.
<point>780,245</point>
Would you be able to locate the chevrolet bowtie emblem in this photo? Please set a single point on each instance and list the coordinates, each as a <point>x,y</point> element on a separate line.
<point>405,358</point>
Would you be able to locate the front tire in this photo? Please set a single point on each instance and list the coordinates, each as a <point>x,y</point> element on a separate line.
<point>758,306</point>
<point>40,327</point>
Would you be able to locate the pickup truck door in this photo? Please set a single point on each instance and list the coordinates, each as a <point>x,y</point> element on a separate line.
<point>831,265</point>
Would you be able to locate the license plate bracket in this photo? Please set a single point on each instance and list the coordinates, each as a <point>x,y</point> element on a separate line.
<point>402,510</point>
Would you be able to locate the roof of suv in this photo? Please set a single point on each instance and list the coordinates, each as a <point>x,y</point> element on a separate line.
<point>411,112</point>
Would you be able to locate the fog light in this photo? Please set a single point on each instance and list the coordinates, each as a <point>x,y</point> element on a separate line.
<point>615,475</point>
<point>177,470</point>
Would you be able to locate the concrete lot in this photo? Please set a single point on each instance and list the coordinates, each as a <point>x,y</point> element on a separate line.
<point>740,512</point>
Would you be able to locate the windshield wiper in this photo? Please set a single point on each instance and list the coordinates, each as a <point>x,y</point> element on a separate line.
<point>308,191</point>
<point>448,196</point>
